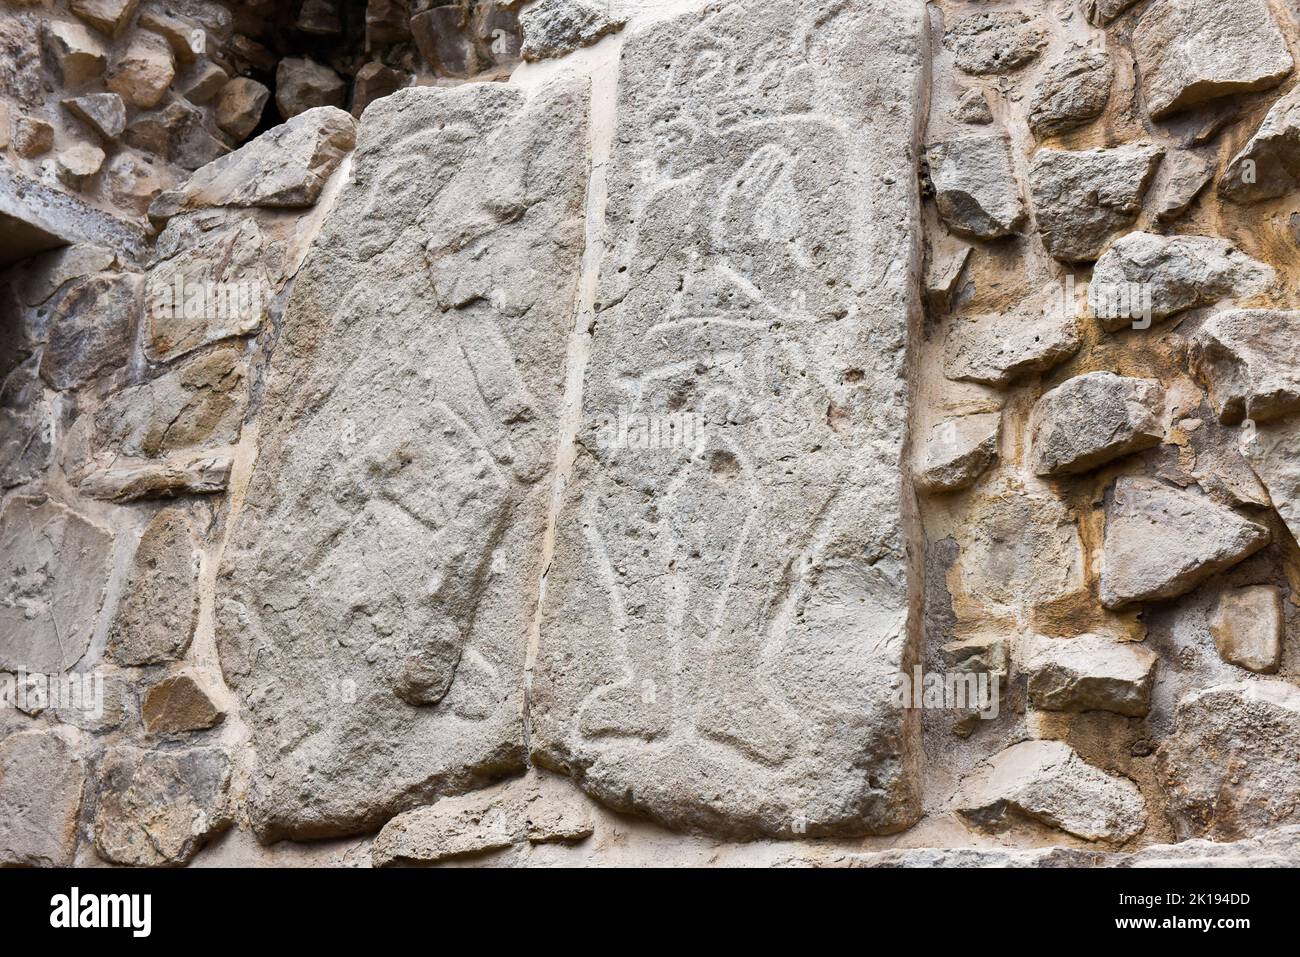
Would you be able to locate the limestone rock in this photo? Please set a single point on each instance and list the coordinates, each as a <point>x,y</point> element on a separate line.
<point>192,145</point>
<point>1229,767</point>
<point>443,454</point>
<point>998,348</point>
<point>41,783</point>
<point>91,329</point>
<point>519,812</point>
<point>76,164</point>
<point>187,39</point>
<point>27,430</point>
<point>373,81</point>
<point>1162,542</point>
<point>1102,12</point>
<point>51,271</point>
<point>158,808</point>
<point>553,28</point>
<point>1093,419</point>
<point>1178,272</point>
<point>994,41</point>
<point>973,108</point>
<point>1249,361</point>
<point>159,606</point>
<point>944,267</point>
<point>686,668</point>
<point>1268,165</point>
<point>959,451</point>
<point>1248,625</point>
<point>1191,51</point>
<point>1073,90</point>
<point>1182,177</point>
<point>32,137</point>
<point>1047,782</point>
<point>304,84</point>
<point>142,73</point>
<point>192,473</point>
<point>1273,453</point>
<point>102,112</point>
<point>203,81</point>
<point>1082,197</point>
<point>239,106</point>
<point>975,186</point>
<point>1090,673</point>
<point>179,704</point>
<point>133,183</point>
<point>100,715</point>
<point>285,167</point>
<point>55,570</point>
<point>109,17</point>
<point>74,55</point>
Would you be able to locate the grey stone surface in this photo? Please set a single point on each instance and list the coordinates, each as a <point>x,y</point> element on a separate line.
<point>1248,625</point>
<point>1093,419</point>
<point>188,473</point>
<point>42,779</point>
<point>159,608</point>
<point>1268,165</point>
<point>1272,451</point>
<point>553,28</point>
<point>994,41</point>
<point>1081,198</point>
<point>91,330</point>
<point>1101,12</point>
<point>1047,782</point>
<point>1162,542</point>
<point>958,451</point>
<point>1249,362</point>
<point>1072,90</point>
<point>1191,51</point>
<point>102,112</point>
<point>302,84</point>
<point>722,624</point>
<point>1090,673</point>
<point>180,704</point>
<point>376,632</point>
<point>973,107</point>
<point>1178,272</point>
<point>1183,175</point>
<point>1000,347</point>
<point>54,567</point>
<point>975,186</point>
<point>1229,767</point>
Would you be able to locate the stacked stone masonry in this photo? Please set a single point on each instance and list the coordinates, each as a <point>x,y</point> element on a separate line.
<point>571,431</point>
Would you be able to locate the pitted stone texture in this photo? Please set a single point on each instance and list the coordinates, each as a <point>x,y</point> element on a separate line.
<point>1268,166</point>
<point>1191,51</point>
<point>1179,272</point>
<point>159,608</point>
<point>284,168</point>
<point>1047,782</point>
<point>1001,347</point>
<point>1273,452</point>
<point>375,596</point>
<point>54,567</point>
<point>1249,362</point>
<point>1083,197</point>
<point>1073,90</point>
<point>997,41</point>
<point>1229,768</point>
<point>975,187</point>
<point>723,623</point>
<point>545,810</point>
<point>958,452</point>
<point>553,28</point>
<point>158,808</point>
<point>91,330</point>
<point>1093,419</point>
<point>1248,625</point>
<point>1162,542</point>
<point>41,782</point>
<point>1090,673</point>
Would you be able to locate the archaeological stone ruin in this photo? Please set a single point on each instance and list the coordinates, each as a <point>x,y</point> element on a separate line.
<point>649,432</point>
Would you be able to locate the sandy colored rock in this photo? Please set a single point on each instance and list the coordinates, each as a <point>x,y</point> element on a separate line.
<point>999,348</point>
<point>686,668</point>
<point>77,163</point>
<point>32,137</point>
<point>958,451</point>
<point>1229,766</point>
<point>73,53</point>
<point>203,81</point>
<point>157,808</point>
<point>187,39</point>
<point>1072,90</point>
<point>1081,198</point>
<point>159,607</point>
<point>994,42</point>
<point>1047,782</point>
<point>553,28</point>
<point>142,73</point>
<point>41,783</point>
<point>91,329</point>
<point>975,186</point>
<point>1093,419</point>
<point>104,113</point>
<point>109,17</point>
<point>1268,165</point>
<point>55,570</point>
<point>304,84</point>
<point>239,106</point>
<point>1162,542</point>
<point>973,107</point>
<point>133,183</point>
<point>1249,362</point>
<point>416,666</point>
<point>1191,51</point>
<point>285,167</point>
<point>188,473</point>
<point>1090,673</point>
<point>1182,177</point>
<point>1248,626</point>
<point>179,704</point>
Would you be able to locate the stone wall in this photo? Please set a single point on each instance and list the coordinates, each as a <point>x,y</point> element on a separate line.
<point>620,433</point>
